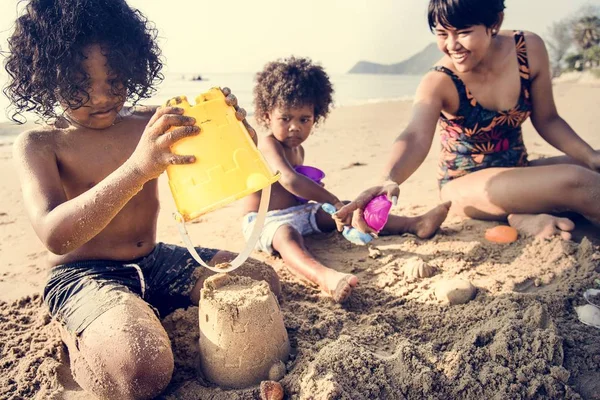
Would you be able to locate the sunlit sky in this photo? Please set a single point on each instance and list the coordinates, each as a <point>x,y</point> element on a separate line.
<point>241,36</point>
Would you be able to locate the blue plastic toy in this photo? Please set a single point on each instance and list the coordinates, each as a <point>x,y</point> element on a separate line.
<point>353,235</point>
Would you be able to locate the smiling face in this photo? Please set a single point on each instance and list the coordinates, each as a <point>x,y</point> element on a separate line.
<point>291,126</point>
<point>466,47</point>
<point>104,103</point>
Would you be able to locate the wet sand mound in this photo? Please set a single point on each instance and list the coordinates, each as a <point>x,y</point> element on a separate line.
<point>242,336</point>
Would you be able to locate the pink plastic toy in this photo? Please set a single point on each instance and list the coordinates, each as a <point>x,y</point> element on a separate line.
<point>377,212</point>
<point>314,174</point>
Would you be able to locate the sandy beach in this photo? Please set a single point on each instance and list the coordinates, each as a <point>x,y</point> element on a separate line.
<point>393,339</point>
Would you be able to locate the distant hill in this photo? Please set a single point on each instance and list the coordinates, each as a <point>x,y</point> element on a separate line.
<point>415,65</point>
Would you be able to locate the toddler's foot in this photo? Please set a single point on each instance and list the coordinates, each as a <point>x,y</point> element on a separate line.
<point>339,285</point>
<point>541,225</point>
<point>427,224</point>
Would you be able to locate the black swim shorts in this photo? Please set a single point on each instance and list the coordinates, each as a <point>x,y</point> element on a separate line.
<point>79,292</point>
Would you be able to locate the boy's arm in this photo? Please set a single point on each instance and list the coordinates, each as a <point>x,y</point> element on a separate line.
<point>544,115</point>
<point>295,183</point>
<point>64,224</point>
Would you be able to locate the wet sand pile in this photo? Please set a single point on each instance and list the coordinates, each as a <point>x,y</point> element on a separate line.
<point>394,339</point>
<point>243,340</point>
<point>519,337</point>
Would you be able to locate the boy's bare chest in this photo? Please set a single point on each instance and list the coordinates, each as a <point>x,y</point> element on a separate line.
<point>87,159</point>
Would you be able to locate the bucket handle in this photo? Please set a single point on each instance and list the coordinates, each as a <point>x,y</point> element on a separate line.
<point>250,244</point>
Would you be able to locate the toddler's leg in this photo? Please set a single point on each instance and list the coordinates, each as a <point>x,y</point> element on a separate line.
<point>125,353</point>
<point>424,226</point>
<point>290,245</point>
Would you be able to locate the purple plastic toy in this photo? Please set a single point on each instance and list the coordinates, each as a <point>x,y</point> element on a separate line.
<point>377,212</point>
<point>314,174</point>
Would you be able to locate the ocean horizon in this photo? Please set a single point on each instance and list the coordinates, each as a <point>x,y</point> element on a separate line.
<point>350,89</point>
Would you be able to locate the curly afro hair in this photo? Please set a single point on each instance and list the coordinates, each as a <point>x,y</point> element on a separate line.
<point>45,54</point>
<point>292,82</point>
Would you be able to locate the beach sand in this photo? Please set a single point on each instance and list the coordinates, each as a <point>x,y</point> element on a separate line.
<point>519,337</point>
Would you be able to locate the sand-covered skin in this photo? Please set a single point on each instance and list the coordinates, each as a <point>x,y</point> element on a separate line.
<point>519,338</point>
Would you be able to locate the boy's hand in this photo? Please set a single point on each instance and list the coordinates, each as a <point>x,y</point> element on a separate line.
<point>352,213</point>
<point>153,152</point>
<point>240,114</point>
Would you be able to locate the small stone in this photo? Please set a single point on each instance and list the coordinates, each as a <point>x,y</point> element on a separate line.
<point>271,390</point>
<point>374,252</point>
<point>277,371</point>
<point>455,291</point>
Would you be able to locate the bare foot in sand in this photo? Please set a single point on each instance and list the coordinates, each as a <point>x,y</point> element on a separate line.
<point>541,225</point>
<point>338,285</point>
<point>427,224</point>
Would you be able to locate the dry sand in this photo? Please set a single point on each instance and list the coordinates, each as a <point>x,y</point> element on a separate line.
<point>519,337</point>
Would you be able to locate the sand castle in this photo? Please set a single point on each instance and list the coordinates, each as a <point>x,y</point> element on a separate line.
<point>243,340</point>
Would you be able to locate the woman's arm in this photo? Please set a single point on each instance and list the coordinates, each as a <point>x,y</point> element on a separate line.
<point>544,115</point>
<point>412,146</point>
<point>408,151</point>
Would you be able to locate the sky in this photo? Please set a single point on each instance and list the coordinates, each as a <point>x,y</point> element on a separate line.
<point>203,36</point>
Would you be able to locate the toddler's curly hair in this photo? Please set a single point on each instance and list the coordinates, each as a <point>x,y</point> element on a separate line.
<point>292,82</point>
<point>45,54</point>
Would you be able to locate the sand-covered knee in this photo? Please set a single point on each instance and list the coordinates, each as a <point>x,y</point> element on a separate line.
<point>243,340</point>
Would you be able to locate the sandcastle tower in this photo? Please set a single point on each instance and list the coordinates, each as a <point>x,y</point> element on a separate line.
<point>242,336</point>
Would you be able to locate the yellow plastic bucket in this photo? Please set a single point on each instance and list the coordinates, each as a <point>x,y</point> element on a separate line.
<point>228,167</point>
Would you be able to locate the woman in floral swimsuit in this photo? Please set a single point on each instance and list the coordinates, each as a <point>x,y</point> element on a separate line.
<point>486,85</point>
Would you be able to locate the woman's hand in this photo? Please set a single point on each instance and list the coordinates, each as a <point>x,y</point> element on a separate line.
<point>240,113</point>
<point>352,213</point>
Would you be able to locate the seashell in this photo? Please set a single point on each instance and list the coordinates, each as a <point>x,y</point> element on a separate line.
<point>417,268</point>
<point>589,315</point>
<point>502,234</point>
<point>592,296</point>
<point>271,390</point>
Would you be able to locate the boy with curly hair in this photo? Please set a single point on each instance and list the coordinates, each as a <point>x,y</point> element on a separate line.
<point>291,96</point>
<point>89,181</point>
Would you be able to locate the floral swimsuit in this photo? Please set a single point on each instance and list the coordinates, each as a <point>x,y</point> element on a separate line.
<point>479,138</point>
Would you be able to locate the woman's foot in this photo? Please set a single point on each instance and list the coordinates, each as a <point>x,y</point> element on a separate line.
<point>426,225</point>
<point>541,225</point>
<point>338,285</point>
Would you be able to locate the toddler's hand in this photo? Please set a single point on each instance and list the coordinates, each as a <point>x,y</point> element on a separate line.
<point>153,152</point>
<point>240,114</point>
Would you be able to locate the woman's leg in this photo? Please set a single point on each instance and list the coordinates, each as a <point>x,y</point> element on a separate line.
<point>289,243</point>
<point>496,193</point>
